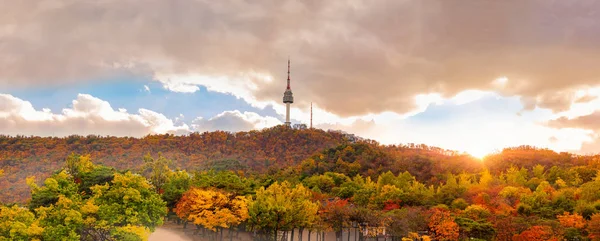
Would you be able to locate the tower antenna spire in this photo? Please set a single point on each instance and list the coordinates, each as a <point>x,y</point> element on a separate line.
<point>311,115</point>
<point>288,79</point>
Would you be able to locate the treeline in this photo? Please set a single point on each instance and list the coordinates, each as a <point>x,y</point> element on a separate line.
<point>259,152</point>
<point>84,201</point>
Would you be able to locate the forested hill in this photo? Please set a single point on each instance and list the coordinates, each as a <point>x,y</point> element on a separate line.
<point>274,151</point>
<point>257,151</point>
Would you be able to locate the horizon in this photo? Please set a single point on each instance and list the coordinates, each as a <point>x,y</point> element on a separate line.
<point>359,140</point>
<point>474,77</point>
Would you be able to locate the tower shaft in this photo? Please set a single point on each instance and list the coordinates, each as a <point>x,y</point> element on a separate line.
<point>287,114</point>
<point>311,113</point>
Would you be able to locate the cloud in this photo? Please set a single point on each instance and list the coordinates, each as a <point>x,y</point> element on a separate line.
<point>589,122</point>
<point>591,147</point>
<point>234,121</point>
<point>91,115</point>
<point>477,123</point>
<point>147,89</point>
<point>88,115</point>
<point>381,54</point>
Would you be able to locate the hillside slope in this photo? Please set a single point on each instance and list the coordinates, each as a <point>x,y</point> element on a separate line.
<point>257,151</point>
<point>261,152</point>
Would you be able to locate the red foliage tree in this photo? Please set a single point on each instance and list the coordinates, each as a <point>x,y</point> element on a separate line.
<point>537,233</point>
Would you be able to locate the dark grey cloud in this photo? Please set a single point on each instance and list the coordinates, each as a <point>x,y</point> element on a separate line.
<point>351,57</point>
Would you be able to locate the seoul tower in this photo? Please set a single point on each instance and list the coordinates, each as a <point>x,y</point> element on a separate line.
<point>288,98</point>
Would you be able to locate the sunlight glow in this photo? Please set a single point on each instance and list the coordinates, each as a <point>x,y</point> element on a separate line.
<point>500,82</point>
<point>479,153</point>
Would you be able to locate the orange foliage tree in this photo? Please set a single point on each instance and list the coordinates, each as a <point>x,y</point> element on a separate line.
<point>212,208</point>
<point>537,233</point>
<point>571,220</point>
<point>442,224</point>
<point>593,227</point>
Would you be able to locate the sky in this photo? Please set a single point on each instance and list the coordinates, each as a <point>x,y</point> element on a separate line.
<point>473,76</point>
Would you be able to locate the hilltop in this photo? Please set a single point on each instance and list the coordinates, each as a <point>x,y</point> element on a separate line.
<point>266,152</point>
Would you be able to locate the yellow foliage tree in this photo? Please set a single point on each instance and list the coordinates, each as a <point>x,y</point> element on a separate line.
<point>18,223</point>
<point>212,208</point>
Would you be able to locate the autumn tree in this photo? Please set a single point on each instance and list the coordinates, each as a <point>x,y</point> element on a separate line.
<point>407,220</point>
<point>442,225</point>
<point>336,213</point>
<point>573,224</point>
<point>212,209</point>
<point>568,220</point>
<point>593,227</point>
<point>537,233</point>
<point>129,199</point>
<point>281,207</point>
<point>18,223</point>
<point>76,164</point>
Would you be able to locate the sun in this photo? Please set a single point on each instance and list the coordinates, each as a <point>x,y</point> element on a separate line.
<point>478,153</point>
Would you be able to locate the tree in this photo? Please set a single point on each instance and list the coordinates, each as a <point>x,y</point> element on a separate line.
<point>129,199</point>
<point>212,209</point>
<point>537,233</point>
<point>178,183</point>
<point>336,213</point>
<point>593,227</point>
<point>407,220</point>
<point>62,220</point>
<point>478,229</point>
<point>442,225</point>
<point>157,171</point>
<point>281,207</point>
<point>224,180</point>
<point>571,220</point>
<point>126,208</point>
<point>17,223</point>
<point>75,164</point>
<point>55,186</point>
<point>476,212</point>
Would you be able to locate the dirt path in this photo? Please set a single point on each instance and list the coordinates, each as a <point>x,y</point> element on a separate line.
<point>169,233</point>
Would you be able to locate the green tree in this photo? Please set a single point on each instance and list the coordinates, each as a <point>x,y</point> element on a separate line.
<point>178,183</point>
<point>225,180</point>
<point>281,207</point>
<point>157,170</point>
<point>129,200</point>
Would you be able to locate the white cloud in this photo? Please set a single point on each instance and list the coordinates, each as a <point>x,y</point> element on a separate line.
<point>465,125</point>
<point>147,89</point>
<point>241,86</point>
<point>234,121</point>
<point>88,115</point>
<point>91,115</point>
